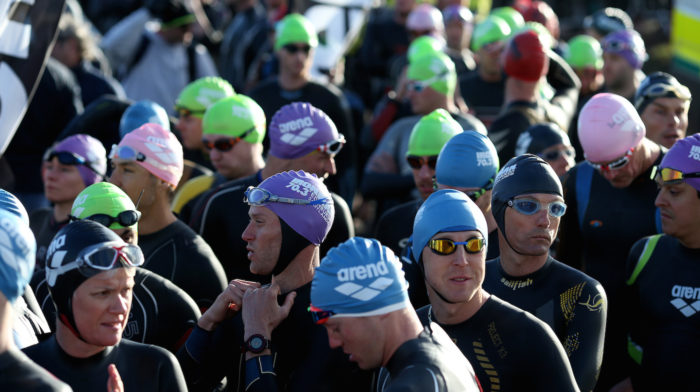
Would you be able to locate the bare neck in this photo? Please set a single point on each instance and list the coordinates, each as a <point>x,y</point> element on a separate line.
<point>61,211</point>
<point>156,218</point>
<point>72,345</point>
<point>517,90</point>
<point>447,313</point>
<point>516,264</point>
<point>293,82</point>
<point>300,270</point>
<point>400,326</point>
<point>274,165</point>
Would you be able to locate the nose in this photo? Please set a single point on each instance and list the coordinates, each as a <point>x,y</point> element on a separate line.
<point>334,342</point>
<point>330,166</point>
<point>542,217</point>
<point>675,119</point>
<point>115,178</point>
<point>460,256</point>
<point>120,304</point>
<point>426,172</point>
<point>249,233</point>
<point>660,200</point>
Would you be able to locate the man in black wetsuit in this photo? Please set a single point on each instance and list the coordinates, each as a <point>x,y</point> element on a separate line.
<point>611,202</point>
<point>510,349</point>
<point>90,277</point>
<point>17,372</point>
<point>163,314</point>
<point>220,217</point>
<point>662,274</point>
<point>295,42</point>
<point>527,204</point>
<point>246,335</point>
<point>359,294</point>
<point>147,165</point>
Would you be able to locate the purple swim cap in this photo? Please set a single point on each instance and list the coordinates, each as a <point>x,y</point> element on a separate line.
<point>628,44</point>
<point>684,156</point>
<point>88,148</point>
<point>311,221</point>
<point>298,129</point>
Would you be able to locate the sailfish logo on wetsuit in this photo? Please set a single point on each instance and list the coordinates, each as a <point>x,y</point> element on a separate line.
<point>362,272</point>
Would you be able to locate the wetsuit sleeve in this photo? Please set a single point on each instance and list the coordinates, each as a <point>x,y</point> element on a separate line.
<point>549,360</point>
<point>380,180</point>
<point>586,334</point>
<point>206,274</point>
<point>566,85</point>
<point>569,250</point>
<point>171,377</point>
<point>418,379</point>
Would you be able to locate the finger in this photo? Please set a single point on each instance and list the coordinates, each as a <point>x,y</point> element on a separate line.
<point>114,382</point>
<point>288,302</point>
<point>274,286</point>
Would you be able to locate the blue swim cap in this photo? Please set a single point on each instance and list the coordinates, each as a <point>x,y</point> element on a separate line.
<point>359,278</point>
<point>17,254</point>
<point>11,203</point>
<point>142,112</point>
<point>468,160</point>
<point>446,210</point>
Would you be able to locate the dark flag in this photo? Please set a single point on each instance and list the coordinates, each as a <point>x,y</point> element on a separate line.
<point>27,33</point>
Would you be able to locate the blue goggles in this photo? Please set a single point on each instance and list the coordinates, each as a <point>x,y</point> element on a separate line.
<point>531,206</point>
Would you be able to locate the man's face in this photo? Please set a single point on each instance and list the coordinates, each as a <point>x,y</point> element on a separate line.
<point>618,73</point>
<point>560,157</point>
<point>128,234</point>
<point>190,128</point>
<point>295,59</point>
<point>264,237</point>
<point>680,210</point>
<point>532,234</point>
<point>589,79</point>
<point>423,175</point>
<point>666,120</point>
<point>136,182</point>
<point>62,183</point>
<point>234,163</point>
<point>458,34</point>
<point>490,56</point>
<point>101,306</point>
<point>422,97</point>
<point>625,175</point>
<point>404,7</point>
<point>458,276</point>
<point>316,162</point>
<point>359,337</point>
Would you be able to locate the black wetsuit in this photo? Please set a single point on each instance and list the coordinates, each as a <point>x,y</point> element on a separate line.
<point>662,316</point>
<point>484,98</point>
<point>141,367</point>
<point>44,227</point>
<point>613,221</point>
<point>180,255</point>
<point>161,313</point>
<point>573,304</point>
<point>431,362</point>
<point>271,97</point>
<point>221,216</point>
<point>517,116</point>
<point>303,360</point>
<point>19,373</point>
<point>510,349</point>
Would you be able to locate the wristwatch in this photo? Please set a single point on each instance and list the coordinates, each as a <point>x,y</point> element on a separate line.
<point>256,344</point>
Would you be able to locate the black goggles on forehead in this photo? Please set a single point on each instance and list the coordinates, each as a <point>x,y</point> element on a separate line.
<point>125,218</point>
<point>69,158</point>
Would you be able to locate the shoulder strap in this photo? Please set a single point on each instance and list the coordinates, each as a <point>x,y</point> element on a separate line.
<point>584,178</point>
<point>138,55</point>
<point>644,258</point>
<point>192,61</point>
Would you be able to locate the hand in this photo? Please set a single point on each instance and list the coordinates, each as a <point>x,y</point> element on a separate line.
<point>226,304</point>
<point>114,382</point>
<point>261,312</point>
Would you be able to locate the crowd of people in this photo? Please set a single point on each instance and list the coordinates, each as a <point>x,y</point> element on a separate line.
<point>475,204</point>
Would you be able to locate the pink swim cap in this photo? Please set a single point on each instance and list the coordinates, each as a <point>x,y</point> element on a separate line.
<point>425,17</point>
<point>608,126</point>
<point>154,149</point>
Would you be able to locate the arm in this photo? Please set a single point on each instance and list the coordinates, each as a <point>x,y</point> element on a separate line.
<point>549,366</point>
<point>569,250</point>
<point>567,86</point>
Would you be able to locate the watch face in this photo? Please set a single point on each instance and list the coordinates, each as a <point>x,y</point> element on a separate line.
<point>256,343</point>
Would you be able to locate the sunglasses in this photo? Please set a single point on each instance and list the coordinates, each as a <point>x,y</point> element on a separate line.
<point>69,158</point>
<point>226,143</point>
<point>668,176</point>
<point>293,49</point>
<point>616,46</point>
<point>530,207</point>
<point>101,257</point>
<point>616,164</point>
<point>125,218</point>
<point>555,154</point>
<point>318,315</point>
<point>333,147</point>
<point>183,112</point>
<point>445,246</point>
<point>418,162</point>
<point>259,197</point>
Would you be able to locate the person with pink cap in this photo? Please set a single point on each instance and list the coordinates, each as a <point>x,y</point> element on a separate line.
<point>662,278</point>
<point>147,165</point>
<point>526,61</point>
<point>247,335</point>
<point>612,197</point>
<point>67,168</point>
<point>302,137</point>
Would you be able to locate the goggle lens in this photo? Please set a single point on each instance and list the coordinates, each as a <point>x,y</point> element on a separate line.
<point>529,207</point>
<point>445,246</point>
<point>125,218</point>
<point>319,316</point>
<point>417,162</point>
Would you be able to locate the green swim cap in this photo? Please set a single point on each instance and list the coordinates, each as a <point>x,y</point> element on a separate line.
<point>295,28</point>
<point>423,45</point>
<point>202,93</point>
<point>542,33</point>
<point>102,198</point>
<point>233,116</point>
<point>514,18</point>
<point>584,51</point>
<point>435,68</point>
<point>492,29</point>
<point>431,133</point>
